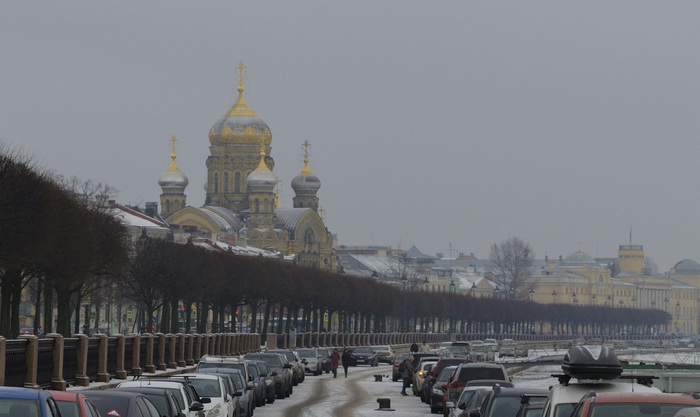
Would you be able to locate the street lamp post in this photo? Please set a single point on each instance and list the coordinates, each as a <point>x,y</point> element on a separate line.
<point>531,293</point>
<point>678,316</point>
<point>497,292</point>
<point>554,296</point>
<point>452,286</point>
<point>593,299</point>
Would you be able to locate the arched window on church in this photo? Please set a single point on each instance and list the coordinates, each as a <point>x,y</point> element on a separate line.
<point>237,182</point>
<point>216,182</point>
<point>176,206</point>
<point>226,181</point>
<point>167,206</point>
<point>309,236</point>
<point>257,205</point>
<point>600,278</point>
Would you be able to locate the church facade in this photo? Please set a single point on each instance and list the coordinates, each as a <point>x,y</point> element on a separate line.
<point>242,203</point>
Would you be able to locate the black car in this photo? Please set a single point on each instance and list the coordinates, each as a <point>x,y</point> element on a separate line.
<point>123,403</point>
<point>164,400</point>
<point>366,355</point>
<point>267,378</point>
<point>505,402</point>
<point>325,358</point>
<point>437,390</point>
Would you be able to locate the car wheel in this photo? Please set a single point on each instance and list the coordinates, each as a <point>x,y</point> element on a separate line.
<point>281,395</point>
<point>294,381</point>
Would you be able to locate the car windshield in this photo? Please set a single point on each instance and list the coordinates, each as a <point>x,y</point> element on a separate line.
<point>324,353</point>
<point>465,396</point>
<point>160,401</point>
<point>382,348</point>
<point>635,410</point>
<point>253,370</point>
<point>68,408</point>
<point>505,407</point>
<point>238,381</point>
<point>306,353</point>
<point>106,405</point>
<point>445,374</point>
<point>287,354</point>
<point>472,373</point>
<point>564,410</point>
<point>263,368</point>
<point>271,360</point>
<point>239,366</point>
<point>206,387</point>
<point>363,350</point>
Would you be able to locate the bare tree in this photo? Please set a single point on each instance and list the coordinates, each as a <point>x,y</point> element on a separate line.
<point>402,271</point>
<point>510,263</point>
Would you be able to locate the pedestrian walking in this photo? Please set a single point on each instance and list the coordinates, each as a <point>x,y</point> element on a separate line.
<point>406,368</point>
<point>424,347</point>
<point>335,359</point>
<point>346,359</point>
<point>414,347</point>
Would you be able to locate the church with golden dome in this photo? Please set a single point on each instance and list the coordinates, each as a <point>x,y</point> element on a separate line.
<point>242,205</point>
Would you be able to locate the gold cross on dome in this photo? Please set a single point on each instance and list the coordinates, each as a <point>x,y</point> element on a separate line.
<point>241,69</point>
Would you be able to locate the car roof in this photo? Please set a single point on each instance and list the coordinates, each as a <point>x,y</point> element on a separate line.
<point>646,397</point>
<point>113,392</point>
<point>70,396</point>
<point>572,393</point>
<point>194,375</point>
<point>20,393</point>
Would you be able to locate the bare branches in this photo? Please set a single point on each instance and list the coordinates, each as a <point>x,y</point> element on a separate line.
<point>510,263</point>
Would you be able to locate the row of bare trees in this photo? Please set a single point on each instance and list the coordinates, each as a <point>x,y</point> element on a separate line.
<point>55,240</point>
<point>59,244</point>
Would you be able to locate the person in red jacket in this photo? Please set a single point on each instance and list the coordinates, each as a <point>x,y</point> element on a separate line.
<point>335,360</point>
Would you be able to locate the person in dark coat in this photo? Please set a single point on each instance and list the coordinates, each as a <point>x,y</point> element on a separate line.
<point>346,359</point>
<point>414,347</point>
<point>407,371</point>
<point>335,359</point>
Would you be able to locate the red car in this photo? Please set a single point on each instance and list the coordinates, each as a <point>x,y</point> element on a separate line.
<point>633,404</point>
<point>74,404</point>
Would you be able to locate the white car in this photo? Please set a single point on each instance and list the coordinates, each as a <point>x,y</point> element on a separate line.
<point>595,368</point>
<point>212,387</point>
<point>185,398</point>
<point>385,354</point>
<point>313,359</point>
<point>491,344</point>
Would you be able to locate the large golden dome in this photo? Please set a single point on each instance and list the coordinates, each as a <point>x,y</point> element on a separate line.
<point>240,125</point>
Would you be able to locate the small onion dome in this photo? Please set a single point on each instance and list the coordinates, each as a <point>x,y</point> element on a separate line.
<point>306,182</point>
<point>173,177</point>
<point>262,177</point>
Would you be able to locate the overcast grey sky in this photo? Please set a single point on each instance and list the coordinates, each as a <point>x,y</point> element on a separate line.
<point>430,122</point>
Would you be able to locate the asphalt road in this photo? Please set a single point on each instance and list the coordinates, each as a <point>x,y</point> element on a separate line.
<point>354,396</point>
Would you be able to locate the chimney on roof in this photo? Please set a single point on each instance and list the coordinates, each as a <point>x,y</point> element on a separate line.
<point>112,203</point>
<point>151,209</point>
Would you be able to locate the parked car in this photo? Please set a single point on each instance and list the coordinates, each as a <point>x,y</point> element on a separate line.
<point>212,387</point>
<point>311,360</point>
<point>395,374</point>
<point>259,383</point>
<point>187,398</point>
<point>422,371</point>
<point>325,359</point>
<point>74,404</point>
<point>437,389</point>
<point>480,352</point>
<point>267,378</point>
<point>208,361</point>
<point>457,408</point>
<point>467,372</point>
<point>15,401</point>
<point>366,355</point>
<point>298,371</point>
<point>491,345</point>
<point>385,353</point>
<point>280,370</point>
<point>116,402</point>
<point>633,404</point>
<point>164,400</point>
<point>586,369</point>
<point>511,348</point>
<point>505,402</point>
<point>240,394</point>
